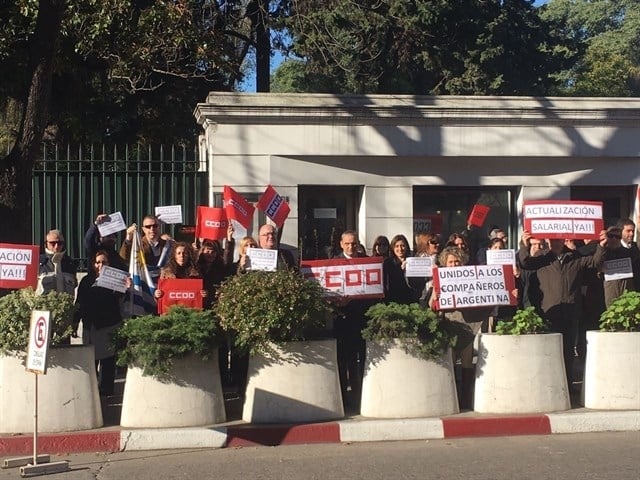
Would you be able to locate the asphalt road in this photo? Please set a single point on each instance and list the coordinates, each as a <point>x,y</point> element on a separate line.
<point>606,456</point>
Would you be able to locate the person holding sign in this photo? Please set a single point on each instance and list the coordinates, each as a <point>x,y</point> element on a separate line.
<point>347,329</point>
<point>181,265</point>
<point>268,239</point>
<point>213,265</point>
<point>561,273</point>
<point>155,246</point>
<point>94,241</point>
<point>57,271</point>
<point>618,266</point>
<point>396,286</point>
<point>99,310</point>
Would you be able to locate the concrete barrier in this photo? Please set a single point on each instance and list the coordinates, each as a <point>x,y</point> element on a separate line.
<point>68,397</point>
<point>192,396</point>
<point>399,385</point>
<point>301,387</point>
<point>611,380</point>
<point>521,374</point>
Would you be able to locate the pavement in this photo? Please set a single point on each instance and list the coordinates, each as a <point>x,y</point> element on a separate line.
<point>353,428</point>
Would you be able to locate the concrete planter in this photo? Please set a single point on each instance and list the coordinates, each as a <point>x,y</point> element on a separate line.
<point>68,397</point>
<point>521,374</point>
<point>399,385</point>
<point>191,397</point>
<point>609,379</point>
<point>302,387</point>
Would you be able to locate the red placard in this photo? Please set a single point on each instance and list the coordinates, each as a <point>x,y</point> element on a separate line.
<point>473,286</point>
<point>478,215</point>
<point>176,291</point>
<point>274,206</point>
<point>18,265</point>
<point>237,207</point>
<point>211,223</point>
<point>347,277</point>
<point>563,219</point>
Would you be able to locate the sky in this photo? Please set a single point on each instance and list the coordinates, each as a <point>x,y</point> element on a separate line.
<point>249,83</point>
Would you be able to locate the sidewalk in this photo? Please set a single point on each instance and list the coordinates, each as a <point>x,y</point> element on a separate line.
<point>353,428</point>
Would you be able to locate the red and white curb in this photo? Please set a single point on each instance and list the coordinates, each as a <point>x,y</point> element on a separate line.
<point>357,430</point>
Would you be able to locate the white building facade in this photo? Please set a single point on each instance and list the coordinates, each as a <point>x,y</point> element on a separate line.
<point>389,164</point>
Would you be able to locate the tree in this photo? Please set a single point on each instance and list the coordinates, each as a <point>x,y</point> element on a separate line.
<point>121,70</point>
<point>605,36</point>
<point>16,168</point>
<point>423,47</point>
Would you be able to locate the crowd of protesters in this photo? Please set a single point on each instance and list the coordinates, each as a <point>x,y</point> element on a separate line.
<point>561,279</point>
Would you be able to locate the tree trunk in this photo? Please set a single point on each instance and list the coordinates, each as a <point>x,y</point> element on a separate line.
<point>259,16</point>
<point>16,168</point>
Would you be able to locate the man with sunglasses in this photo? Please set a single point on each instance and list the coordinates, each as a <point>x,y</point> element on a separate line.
<point>57,272</point>
<point>155,245</point>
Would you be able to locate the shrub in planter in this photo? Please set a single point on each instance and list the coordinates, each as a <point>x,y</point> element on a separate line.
<point>421,332</point>
<point>70,386</point>
<point>264,308</point>
<point>15,318</point>
<point>525,321</point>
<point>152,342</point>
<point>623,315</point>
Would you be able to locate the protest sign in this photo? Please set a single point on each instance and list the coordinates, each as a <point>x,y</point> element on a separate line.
<point>18,265</point>
<point>176,291</point>
<point>473,286</point>
<point>478,215</point>
<point>419,267</point>
<point>211,223</point>
<point>262,259</point>
<point>112,279</point>
<point>563,219</point>
<point>505,256</point>
<point>617,269</point>
<point>347,277</point>
<point>112,223</point>
<point>237,207</point>
<point>169,214</point>
<point>274,206</point>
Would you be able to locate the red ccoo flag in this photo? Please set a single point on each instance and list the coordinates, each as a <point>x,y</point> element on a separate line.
<point>274,206</point>
<point>211,223</point>
<point>237,207</point>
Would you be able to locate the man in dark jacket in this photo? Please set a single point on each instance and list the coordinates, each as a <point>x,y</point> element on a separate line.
<point>561,276</point>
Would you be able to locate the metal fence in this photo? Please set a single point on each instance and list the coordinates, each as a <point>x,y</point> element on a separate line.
<point>72,185</point>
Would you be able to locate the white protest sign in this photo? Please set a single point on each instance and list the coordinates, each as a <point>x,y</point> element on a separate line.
<point>38,341</point>
<point>112,223</point>
<point>419,267</point>
<point>501,257</point>
<point>112,279</point>
<point>347,277</point>
<point>563,219</point>
<point>169,214</point>
<point>617,269</point>
<point>262,259</point>
<point>474,286</point>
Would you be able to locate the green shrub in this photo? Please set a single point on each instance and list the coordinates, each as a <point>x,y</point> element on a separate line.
<point>152,342</point>
<point>623,315</point>
<point>421,331</point>
<point>260,307</point>
<point>525,321</point>
<point>15,318</point>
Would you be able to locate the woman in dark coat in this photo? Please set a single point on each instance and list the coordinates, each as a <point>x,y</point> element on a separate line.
<point>396,286</point>
<point>99,309</point>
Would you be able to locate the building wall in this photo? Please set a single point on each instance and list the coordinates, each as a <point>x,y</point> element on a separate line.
<point>389,144</point>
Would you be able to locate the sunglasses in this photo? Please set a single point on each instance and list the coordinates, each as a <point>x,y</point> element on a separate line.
<point>153,225</point>
<point>434,242</point>
<point>55,242</point>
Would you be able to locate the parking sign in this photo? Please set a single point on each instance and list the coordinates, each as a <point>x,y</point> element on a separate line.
<point>38,342</point>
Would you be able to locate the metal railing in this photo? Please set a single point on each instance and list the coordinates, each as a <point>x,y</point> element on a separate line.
<point>72,185</point>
